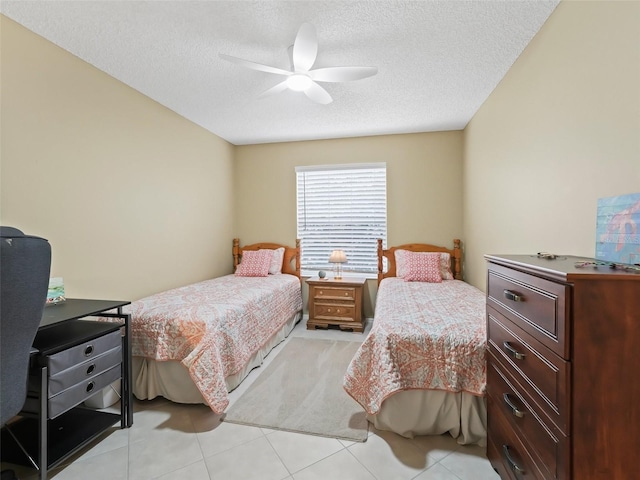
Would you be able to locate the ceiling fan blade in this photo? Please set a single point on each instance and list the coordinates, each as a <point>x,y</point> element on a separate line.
<point>318,94</point>
<point>280,87</point>
<point>305,48</point>
<point>254,65</point>
<point>342,74</point>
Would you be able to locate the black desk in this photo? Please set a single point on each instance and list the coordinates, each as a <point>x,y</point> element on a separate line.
<point>52,440</point>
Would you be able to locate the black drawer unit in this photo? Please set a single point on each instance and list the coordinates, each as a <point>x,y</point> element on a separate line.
<point>72,358</point>
<point>81,357</point>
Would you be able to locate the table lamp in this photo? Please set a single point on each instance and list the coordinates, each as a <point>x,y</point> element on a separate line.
<point>338,257</point>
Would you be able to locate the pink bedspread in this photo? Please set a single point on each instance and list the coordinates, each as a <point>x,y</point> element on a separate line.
<point>214,327</point>
<point>424,336</point>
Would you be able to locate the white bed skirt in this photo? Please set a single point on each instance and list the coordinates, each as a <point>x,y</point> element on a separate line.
<point>433,412</point>
<point>172,381</point>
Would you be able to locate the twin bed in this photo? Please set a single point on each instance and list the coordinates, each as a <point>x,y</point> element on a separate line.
<point>196,343</point>
<point>422,370</point>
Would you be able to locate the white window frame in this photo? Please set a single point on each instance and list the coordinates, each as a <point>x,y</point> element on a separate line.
<point>348,188</point>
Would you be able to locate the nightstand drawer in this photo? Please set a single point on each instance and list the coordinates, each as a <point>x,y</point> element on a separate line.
<point>334,311</point>
<point>335,293</point>
<point>535,304</point>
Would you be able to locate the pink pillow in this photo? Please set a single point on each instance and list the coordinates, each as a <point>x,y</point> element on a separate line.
<point>255,263</point>
<point>423,267</point>
<point>401,264</point>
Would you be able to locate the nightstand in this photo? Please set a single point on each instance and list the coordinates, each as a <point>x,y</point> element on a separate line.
<point>337,303</point>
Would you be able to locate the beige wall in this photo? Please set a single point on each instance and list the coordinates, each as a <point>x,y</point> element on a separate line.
<point>561,130</point>
<point>133,198</point>
<point>424,181</point>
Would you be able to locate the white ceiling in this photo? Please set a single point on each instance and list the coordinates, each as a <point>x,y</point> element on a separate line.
<point>437,60</point>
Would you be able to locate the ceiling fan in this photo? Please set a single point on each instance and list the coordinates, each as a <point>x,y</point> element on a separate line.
<point>301,78</point>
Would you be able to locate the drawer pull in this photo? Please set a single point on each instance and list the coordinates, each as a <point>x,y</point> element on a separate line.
<point>321,292</point>
<point>346,294</point>
<point>513,352</point>
<point>90,386</point>
<point>88,350</point>
<point>91,368</point>
<point>513,296</point>
<point>338,310</point>
<point>514,409</point>
<point>512,464</point>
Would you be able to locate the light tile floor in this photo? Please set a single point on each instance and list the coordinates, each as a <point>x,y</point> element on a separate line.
<point>189,442</point>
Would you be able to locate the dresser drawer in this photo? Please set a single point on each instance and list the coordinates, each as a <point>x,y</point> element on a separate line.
<point>537,305</point>
<point>334,311</point>
<point>544,375</point>
<point>80,353</point>
<point>506,450</point>
<point>334,293</point>
<point>79,373</point>
<point>548,448</point>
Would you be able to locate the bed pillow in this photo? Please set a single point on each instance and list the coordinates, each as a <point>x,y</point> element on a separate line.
<point>255,263</point>
<point>423,267</point>
<point>276,261</point>
<point>445,266</point>
<point>401,264</point>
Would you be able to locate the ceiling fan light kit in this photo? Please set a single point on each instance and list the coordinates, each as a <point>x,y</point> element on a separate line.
<point>298,82</point>
<point>301,78</point>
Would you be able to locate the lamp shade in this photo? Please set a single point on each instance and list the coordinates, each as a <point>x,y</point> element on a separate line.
<point>337,256</point>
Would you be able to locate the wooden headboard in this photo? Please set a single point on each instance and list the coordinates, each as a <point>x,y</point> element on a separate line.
<point>456,257</point>
<point>290,262</point>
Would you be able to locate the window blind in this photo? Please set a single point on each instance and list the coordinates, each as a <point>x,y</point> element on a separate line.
<point>341,207</point>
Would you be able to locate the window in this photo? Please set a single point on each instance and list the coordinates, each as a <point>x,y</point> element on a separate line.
<point>342,207</point>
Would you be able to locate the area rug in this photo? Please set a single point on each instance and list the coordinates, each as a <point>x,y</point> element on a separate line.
<point>301,391</point>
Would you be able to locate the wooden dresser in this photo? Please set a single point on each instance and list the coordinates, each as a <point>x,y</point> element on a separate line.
<point>563,373</point>
<point>336,302</point>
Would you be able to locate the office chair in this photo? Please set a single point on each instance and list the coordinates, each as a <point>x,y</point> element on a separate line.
<point>25,263</point>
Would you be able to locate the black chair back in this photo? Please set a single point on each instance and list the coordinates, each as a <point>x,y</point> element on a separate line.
<point>25,263</point>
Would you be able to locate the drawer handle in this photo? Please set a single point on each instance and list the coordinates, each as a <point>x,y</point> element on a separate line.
<point>91,368</point>
<point>512,464</point>
<point>88,350</point>
<point>338,310</point>
<point>90,386</point>
<point>513,296</point>
<point>346,294</point>
<point>514,409</point>
<point>513,352</point>
<point>321,293</point>
<point>329,310</point>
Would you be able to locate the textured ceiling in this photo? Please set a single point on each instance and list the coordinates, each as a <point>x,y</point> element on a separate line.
<point>438,60</point>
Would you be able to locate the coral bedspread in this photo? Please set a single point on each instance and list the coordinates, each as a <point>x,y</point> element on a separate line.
<point>214,327</point>
<point>424,336</point>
